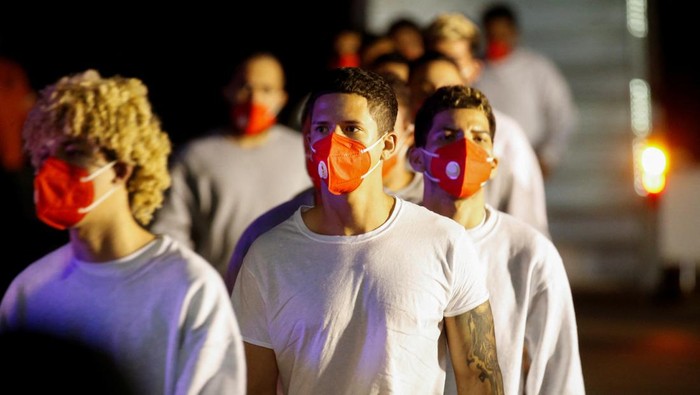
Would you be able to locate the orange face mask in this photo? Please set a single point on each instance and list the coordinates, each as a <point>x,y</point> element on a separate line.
<point>64,194</point>
<point>460,168</point>
<point>252,118</point>
<point>347,60</point>
<point>497,50</point>
<point>342,162</point>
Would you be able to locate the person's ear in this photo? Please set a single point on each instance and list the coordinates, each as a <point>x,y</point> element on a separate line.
<point>494,167</point>
<point>390,141</point>
<point>415,158</point>
<point>123,172</point>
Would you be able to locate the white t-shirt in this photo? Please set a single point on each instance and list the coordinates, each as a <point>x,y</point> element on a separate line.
<point>219,188</point>
<point>531,305</point>
<point>531,89</point>
<point>162,313</point>
<point>518,187</point>
<point>359,314</point>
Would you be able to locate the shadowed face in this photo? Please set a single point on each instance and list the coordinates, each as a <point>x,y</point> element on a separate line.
<point>428,78</point>
<point>260,81</point>
<point>346,114</point>
<point>452,125</point>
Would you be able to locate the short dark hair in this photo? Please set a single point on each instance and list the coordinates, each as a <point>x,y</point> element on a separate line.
<point>403,23</point>
<point>499,11</point>
<point>449,98</point>
<point>390,57</point>
<point>381,100</point>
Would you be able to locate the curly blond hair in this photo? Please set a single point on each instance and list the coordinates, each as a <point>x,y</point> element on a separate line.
<point>452,26</point>
<point>115,115</point>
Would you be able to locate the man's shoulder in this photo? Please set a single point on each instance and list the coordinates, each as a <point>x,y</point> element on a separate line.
<point>283,131</point>
<point>517,226</point>
<point>179,263</point>
<point>44,270</point>
<point>56,258</point>
<point>421,218</point>
<point>537,61</point>
<point>506,124</point>
<point>280,228</point>
<point>529,54</point>
<point>524,236</point>
<point>205,146</point>
<point>278,214</point>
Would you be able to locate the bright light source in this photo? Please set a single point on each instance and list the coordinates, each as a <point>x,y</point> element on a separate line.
<point>654,183</point>
<point>650,167</point>
<point>637,18</point>
<point>653,161</point>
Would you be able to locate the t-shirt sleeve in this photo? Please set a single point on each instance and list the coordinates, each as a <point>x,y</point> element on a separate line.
<point>211,355</point>
<point>249,306</point>
<point>468,278</point>
<point>551,333</point>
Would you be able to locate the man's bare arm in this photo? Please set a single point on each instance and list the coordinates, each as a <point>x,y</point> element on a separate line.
<point>261,366</point>
<point>472,344</point>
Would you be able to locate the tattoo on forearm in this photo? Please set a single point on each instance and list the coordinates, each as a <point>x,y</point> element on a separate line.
<point>483,355</point>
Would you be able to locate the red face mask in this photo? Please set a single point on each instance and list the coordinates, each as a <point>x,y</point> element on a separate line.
<point>63,193</point>
<point>460,168</point>
<point>346,60</point>
<point>252,118</point>
<point>342,162</point>
<point>497,50</point>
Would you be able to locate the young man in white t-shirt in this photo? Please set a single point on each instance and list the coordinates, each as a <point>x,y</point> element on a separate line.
<point>153,305</point>
<point>532,305</point>
<point>518,188</point>
<point>357,294</point>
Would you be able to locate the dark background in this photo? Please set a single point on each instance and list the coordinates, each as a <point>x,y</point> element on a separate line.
<point>184,55</point>
<point>675,73</point>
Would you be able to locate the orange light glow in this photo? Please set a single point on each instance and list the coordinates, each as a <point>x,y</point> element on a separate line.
<point>651,167</point>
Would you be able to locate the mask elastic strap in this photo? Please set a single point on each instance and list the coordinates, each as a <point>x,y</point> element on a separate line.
<point>372,169</point>
<point>374,144</point>
<point>369,148</point>
<point>94,204</point>
<point>426,173</point>
<point>430,154</point>
<point>99,171</point>
<point>429,176</point>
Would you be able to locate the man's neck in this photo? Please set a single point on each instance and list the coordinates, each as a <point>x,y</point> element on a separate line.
<point>354,213</point>
<point>469,212</point>
<point>108,240</point>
